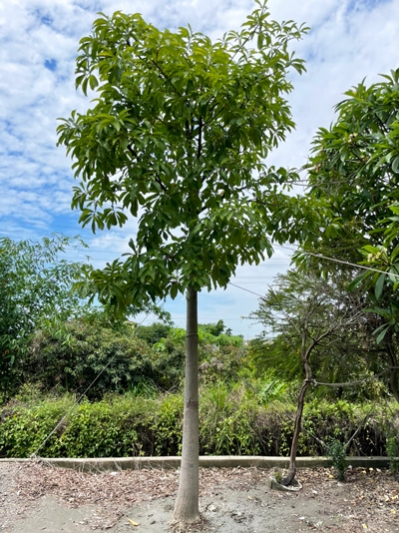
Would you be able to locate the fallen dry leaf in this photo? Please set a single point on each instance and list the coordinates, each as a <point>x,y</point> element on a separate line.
<point>356,502</point>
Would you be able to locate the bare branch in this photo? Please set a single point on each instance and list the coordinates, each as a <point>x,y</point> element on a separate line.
<point>347,444</point>
<point>199,148</point>
<point>350,383</point>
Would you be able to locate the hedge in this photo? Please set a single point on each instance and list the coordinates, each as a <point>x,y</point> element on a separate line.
<point>231,423</point>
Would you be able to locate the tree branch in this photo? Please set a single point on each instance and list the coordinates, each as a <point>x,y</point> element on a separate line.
<point>199,147</point>
<point>357,430</point>
<point>157,178</point>
<point>349,383</point>
<point>382,125</point>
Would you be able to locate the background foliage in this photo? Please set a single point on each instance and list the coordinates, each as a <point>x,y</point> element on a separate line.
<point>36,292</point>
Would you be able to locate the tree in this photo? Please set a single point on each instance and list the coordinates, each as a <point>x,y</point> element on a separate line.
<point>355,170</point>
<point>355,165</point>
<point>35,291</point>
<point>177,139</point>
<point>214,329</point>
<point>352,354</point>
<point>313,316</point>
<point>154,333</point>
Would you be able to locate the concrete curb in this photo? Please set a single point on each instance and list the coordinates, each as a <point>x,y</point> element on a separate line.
<point>207,461</point>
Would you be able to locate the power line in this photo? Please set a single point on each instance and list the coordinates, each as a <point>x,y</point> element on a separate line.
<point>246,290</point>
<point>341,261</point>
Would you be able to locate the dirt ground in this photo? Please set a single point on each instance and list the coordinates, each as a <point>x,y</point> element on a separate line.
<point>35,497</point>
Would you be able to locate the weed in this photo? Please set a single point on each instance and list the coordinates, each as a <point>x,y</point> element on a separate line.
<point>336,451</point>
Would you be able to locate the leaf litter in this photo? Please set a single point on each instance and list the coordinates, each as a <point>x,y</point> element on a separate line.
<point>367,501</point>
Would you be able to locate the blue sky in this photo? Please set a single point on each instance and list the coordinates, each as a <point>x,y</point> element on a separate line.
<point>349,40</point>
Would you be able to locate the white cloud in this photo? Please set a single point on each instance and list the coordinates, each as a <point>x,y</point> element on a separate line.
<point>349,40</point>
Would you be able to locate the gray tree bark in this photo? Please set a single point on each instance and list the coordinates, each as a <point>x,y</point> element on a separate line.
<point>298,417</point>
<point>186,507</point>
<point>297,430</point>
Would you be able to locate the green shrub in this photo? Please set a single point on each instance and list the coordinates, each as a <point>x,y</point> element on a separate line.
<point>167,426</point>
<point>23,429</point>
<point>228,421</point>
<point>90,350</point>
<point>336,451</point>
<point>221,363</point>
<point>117,427</point>
<point>167,357</point>
<point>221,357</point>
<point>232,421</point>
<point>95,430</point>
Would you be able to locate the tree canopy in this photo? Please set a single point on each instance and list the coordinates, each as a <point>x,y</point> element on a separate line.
<point>177,138</point>
<point>354,171</point>
<point>303,310</point>
<point>354,167</point>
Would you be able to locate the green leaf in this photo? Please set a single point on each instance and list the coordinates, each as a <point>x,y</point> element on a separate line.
<point>371,249</point>
<point>395,164</point>
<point>174,290</point>
<point>381,336</point>
<point>93,82</point>
<point>354,284</point>
<point>84,86</point>
<point>379,286</point>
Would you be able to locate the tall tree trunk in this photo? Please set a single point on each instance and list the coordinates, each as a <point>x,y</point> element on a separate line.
<point>186,508</point>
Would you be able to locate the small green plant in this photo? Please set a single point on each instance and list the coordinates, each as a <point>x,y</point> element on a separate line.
<point>278,476</point>
<point>336,451</point>
<point>272,389</point>
<point>392,452</point>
